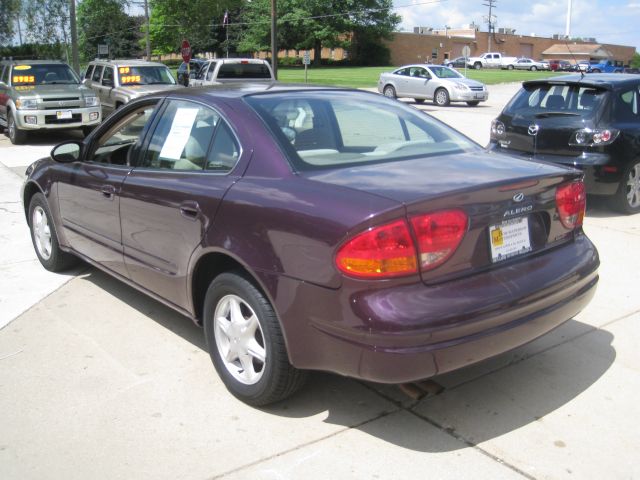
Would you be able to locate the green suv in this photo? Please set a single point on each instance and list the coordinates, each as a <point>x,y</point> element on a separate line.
<point>44,95</point>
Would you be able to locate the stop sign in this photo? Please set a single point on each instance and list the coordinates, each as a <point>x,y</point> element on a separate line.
<point>186,51</point>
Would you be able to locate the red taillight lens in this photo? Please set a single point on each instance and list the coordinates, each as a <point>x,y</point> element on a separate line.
<point>439,234</point>
<point>384,251</point>
<point>571,202</point>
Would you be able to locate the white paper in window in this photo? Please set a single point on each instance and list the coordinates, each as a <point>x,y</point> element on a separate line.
<point>179,134</point>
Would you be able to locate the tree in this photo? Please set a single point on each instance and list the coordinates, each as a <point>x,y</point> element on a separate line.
<point>106,22</point>
<point>635,61</point>
<point>199,21</point>
<point>47,24</point>
<point>314,24</point>
<point>8,15</point>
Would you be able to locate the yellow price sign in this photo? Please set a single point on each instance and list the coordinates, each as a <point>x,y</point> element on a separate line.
<point>130,79</point>
<point>496,237</point>
<point>24,79</point>
<point>22,67</point>
<point>124,70</point>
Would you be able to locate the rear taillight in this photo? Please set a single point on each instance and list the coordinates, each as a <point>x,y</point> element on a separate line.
<point>390,251</point>
<point>384,251</point>
<point>438,234</point>
<point>587,137</point>
<point>571,202</point>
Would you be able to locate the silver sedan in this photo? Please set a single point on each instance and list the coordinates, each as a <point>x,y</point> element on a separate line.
<point>432,82</point>
<point>526,64</point>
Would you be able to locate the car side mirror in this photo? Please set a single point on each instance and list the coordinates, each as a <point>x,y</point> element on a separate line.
<point>66,152</point>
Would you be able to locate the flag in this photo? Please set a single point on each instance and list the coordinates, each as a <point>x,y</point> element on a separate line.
<point>225,19</point>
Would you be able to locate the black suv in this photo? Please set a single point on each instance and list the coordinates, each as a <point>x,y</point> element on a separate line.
<point>195,64</point>
<point>590,122</point>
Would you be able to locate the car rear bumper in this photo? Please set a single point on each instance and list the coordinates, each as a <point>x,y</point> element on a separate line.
<point>415,331</point>
<point>48,119</point>
<point>597,179</point>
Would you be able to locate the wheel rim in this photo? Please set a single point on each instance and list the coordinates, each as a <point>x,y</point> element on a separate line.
<point>12,129</point>
<point>239,339</point>
<point>441,97</point>
<point>633,186</point>
<point>41,232</point>
<point>388,92</point>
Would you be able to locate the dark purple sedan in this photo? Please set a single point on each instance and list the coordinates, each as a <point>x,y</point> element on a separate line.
<point>313,228</point>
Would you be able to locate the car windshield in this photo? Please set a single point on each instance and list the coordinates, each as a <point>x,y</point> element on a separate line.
<point>43,74</point>
<point>337,129</point>
<point>556,100</point>
<point>145,75</point>
<point>444,72</point>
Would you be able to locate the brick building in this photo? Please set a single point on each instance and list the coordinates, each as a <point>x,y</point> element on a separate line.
<point>435,46</point>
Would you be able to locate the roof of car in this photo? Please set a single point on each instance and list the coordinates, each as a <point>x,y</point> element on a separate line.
<point>243,89</point>
<point>128,62</point>
<point>606,80</point>
<point>33,62</point>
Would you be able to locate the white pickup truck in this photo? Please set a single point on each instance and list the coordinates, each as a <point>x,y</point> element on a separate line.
<point>232,70</point>
<point>489,60</point>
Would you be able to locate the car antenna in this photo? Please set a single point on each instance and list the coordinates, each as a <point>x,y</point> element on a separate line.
<point>575,60</point>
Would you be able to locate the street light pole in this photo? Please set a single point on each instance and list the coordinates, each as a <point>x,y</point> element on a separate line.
<point>146,16</point>
<point>274,44</point>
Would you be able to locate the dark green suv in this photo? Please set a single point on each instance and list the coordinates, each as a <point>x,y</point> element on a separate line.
<point>44,95</point>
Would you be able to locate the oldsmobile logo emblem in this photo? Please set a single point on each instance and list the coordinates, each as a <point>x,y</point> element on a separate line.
<point>533,130</point>
<point>518,197</point>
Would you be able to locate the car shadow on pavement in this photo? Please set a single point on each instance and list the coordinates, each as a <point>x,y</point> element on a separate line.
<point>599,207</point>
<point>482,402</point>
<point>51,137</point>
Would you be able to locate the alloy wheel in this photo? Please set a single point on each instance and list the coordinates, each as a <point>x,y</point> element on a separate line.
<point>41,232</point>
<point>239,339</point>
<point>633,186</point>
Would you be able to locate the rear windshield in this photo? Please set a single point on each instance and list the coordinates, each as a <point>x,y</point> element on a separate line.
<point>556,100</point>
<point>146,75</point>
<point>43,74</point>
<point>334,129</point>
<point>244,70</point>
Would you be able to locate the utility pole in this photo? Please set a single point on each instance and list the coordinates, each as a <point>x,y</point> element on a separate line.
<point>491,4</point>
<point>74,36</point>
<point>146,17</point>
<point>274,43</point>
<point>567,31</point>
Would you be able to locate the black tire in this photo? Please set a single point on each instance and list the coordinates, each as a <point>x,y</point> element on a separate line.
<point>533,68</point>
<point>630,182</point>
<point>389,92</point>
<point>418,100</point>
<point>477,65</point>
<point>595,70</point>
<point>57,260</point>
<point>277,378</point>
<point>441,97</point>
<point>473,103</point>
<point>17,136</point>
<point>510,67</point>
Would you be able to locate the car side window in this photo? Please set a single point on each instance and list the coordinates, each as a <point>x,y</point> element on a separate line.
<point>107,77</point>
<point>5,74</point>
<point>628,106</point>
<point>182,137</point>
<point>89,72</point>
<point>97,73</point>
<point>114,146</point>
<point>212,67</point>
<point>224,152</point>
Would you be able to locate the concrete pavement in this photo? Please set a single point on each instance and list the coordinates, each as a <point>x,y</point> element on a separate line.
<point>99,381</point>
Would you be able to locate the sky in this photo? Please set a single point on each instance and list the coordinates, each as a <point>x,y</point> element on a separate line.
<point>609,21</point>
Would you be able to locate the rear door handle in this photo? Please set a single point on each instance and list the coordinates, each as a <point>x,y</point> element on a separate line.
<point>108,191</point>
<point>190,209</point>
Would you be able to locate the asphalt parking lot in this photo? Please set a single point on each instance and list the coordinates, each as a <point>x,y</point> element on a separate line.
<point>99,381</point>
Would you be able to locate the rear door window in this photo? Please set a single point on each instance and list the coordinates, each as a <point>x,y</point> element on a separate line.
<point>97,73</point>
<point>627,105</point>
<point>244,70</point>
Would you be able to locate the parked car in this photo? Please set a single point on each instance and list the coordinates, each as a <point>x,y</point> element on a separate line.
<point>117,82</point>
<point>582,66</point>
<point>561,66</point>
<point>183,73</point>
<point>310,228</point>
<point>545,64</point>
<point>605,66</point>
<point>458,62</point>
<point>432,82</point>
<point>37,95</point>
<point>490,60</point>
<point>589,122</point>
<point>524,64</point>
<point>233,70</point>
